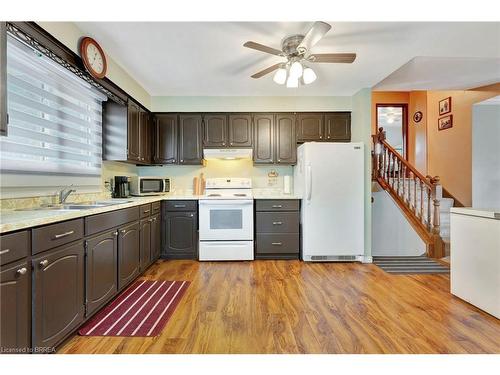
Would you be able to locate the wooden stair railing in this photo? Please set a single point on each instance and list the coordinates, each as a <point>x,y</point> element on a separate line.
<point>417,196</point>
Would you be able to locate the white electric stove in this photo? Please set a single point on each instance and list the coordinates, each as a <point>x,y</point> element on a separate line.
<point>226,220</point>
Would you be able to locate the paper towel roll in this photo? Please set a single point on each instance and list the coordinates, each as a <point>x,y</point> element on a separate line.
<point>286,185</point>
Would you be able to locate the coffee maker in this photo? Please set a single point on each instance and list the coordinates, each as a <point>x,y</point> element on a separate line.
<point>122,187</point>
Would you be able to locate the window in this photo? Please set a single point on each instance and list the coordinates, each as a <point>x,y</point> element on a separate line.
<point>55,118</point>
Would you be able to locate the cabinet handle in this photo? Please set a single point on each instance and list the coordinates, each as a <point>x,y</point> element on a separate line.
<point>277,222</point>
<point>154,219</point>
<point>122,231</point>
<point>191,215</point>
<point>62,235</point>
<point>44,263</point>
<point>320,136</point>
<point>277,243</point>
<point>277,205</point>
<point>223,143</point>
<point>146,211</point>
<point>150,220</point>
<point>182,160</point>
<point>179,205</point>
<point>22,271</point>
<point>279,160</point>
<point>115,233</point>
<point>174,160</point>
<point>4,251</point>
<point>231,143</point>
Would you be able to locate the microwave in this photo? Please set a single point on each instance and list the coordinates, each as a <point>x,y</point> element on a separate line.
<point>145,185</point>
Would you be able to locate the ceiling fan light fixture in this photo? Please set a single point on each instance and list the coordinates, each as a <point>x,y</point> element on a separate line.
<point>308,76</point>
<point>296,69</point>
<point>280,76</point>
<point>292,82</point>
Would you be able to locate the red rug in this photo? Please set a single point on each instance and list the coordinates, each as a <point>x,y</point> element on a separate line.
<point>141,310</point>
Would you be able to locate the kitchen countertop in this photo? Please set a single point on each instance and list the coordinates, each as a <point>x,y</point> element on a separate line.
<point>11,220</point>
<point>479,212</point>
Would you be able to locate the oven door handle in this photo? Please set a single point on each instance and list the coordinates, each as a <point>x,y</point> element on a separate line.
<point>216,202</point>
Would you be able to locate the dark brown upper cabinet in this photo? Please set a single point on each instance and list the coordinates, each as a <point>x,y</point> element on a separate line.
<point>338,126</point>
<point>285,139</point>
<point>215,130</point>
<point>240,130</point>
<point>58,299</point>
<point>275,141</point>
<point>165,139</point>
<point>263,150</point>
<point>190,139</point>
<point>101,269</point>
<point>133,132</point>
<point>3,78</point>
<point>310,127</point>
<point>145,135</point>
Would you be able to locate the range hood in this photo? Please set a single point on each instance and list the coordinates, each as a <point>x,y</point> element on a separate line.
<point>227,153</point>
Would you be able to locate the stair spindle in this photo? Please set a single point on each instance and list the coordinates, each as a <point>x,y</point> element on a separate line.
<point>421,200</point>
<point>399,175</point>
<point>415,193</point>
<point>429,194</point>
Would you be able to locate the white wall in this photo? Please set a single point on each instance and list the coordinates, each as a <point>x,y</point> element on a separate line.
<point>361,132</point>
<point>392,234</point>
<point>486,154</point>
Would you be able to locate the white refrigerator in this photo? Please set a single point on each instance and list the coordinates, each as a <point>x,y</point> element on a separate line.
<point>330,179</point>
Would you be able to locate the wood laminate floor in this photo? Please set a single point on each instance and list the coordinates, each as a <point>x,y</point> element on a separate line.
<point>296,307</point>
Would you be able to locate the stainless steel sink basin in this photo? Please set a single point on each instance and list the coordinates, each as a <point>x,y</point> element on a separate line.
<point>75,206</point>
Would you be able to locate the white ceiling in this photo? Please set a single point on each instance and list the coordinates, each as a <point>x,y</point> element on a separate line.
<point>208,59</point>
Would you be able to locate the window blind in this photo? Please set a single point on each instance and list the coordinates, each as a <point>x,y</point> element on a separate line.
<point>55,118</point>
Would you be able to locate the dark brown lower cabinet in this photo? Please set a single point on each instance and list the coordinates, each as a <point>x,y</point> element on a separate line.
<point>155,238</point>
<point>181,239</point>
<point>58,286</point>
<point>16,306</point>
<point>129,255</point>
<point>145,236</point>
<point>101,270</point>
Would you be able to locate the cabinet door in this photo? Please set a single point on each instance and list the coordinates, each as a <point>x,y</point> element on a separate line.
<point>155,238</point>
<point>338,126</point>
<point>144,137</point>
<point>215,130</point>
<point>101,270</point>
<point>16,305</point>
<point>285,140</point>
<point>58,303</point>
<point>3,78</point>
<point>190,151</point>
<point>240,131</point>
<point>263,150</point>
<point>181,238</point>
<point>145,236</point>
<point>129,255</point>
<point>310,127</point>
<point>133,132</point>
<point>165,142</point>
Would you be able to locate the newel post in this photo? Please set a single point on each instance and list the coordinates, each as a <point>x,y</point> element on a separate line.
<point>438,248</point>
<point>377,152</point>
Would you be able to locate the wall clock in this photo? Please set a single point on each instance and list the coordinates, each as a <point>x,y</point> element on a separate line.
<point>417,117</point>
<point>93,57</point>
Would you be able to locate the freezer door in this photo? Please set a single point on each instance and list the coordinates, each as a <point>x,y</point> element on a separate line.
<point>333,200</point>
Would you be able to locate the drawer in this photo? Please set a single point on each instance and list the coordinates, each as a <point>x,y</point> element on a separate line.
<point>101,222</point>
<point>277,222</point>
<point>277,205</point>
<point>14,246</point>
<point>54,235</point>
<point>277,243</point>
<point>181,205</point>
<point>145,210</point>
<point>156,206</point>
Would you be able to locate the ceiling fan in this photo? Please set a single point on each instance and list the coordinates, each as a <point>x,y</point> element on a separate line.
<point>297,50</point>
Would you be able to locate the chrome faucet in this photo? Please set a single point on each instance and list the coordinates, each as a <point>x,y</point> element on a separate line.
<point>64,193</point>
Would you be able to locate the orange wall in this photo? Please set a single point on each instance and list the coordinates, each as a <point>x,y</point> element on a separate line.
<point>450,151</point>
<point>417,132</point>
<point>386,97</point>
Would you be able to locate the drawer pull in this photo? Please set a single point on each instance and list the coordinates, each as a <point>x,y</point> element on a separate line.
<point>115,233</point>
<point>277,223</point>
<point>276,243</point>
<point>123,231</point>
<point>154,219</point>
<point>277,206</point>
<point>146,211</point>
<point>62,235</point>
<point>4,251</point>
<point>179,205</point>
<point>44,263</point>
<point>22,271</point>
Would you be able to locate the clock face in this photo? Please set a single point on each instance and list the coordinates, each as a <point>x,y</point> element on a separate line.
<point>93,57</point>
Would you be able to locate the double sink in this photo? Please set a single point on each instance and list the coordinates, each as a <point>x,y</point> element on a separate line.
<point>76,206</point>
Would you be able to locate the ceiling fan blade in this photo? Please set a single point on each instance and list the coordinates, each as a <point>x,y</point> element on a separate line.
<point>266,71</point>
<point>313,36</point>
<point>332,58</point>
<point>263,48</point>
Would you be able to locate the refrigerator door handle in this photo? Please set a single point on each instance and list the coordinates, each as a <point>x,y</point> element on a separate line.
<point>308,182</point>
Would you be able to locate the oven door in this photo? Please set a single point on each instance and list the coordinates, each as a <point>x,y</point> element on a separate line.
<point>151,185</point>
<point>226,220</point>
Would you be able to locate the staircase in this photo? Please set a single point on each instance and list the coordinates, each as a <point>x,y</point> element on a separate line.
<point>419,197</point>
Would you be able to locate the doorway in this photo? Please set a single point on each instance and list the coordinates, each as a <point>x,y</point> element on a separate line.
<point>393,117</point>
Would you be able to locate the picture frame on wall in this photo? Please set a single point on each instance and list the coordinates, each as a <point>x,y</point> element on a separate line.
<point>445,122</point>
<point>445,106</point>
